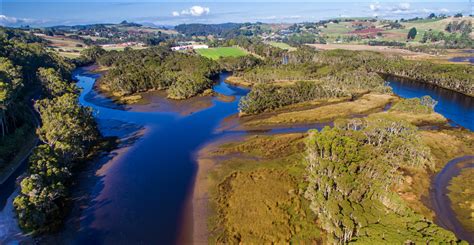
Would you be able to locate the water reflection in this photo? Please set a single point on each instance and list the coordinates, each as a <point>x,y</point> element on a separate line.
<point>457,107</point>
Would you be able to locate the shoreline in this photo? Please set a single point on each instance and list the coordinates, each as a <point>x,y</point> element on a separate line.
<point>199,202</point>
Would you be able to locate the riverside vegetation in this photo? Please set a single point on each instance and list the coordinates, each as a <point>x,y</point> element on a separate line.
<point>462,197</point>
<point>68,132</point>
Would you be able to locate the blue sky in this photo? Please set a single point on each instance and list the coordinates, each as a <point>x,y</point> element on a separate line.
<point>69,12</point>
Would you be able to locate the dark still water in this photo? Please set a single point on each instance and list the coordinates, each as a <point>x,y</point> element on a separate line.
<point>138,192</point>
<point>457,107</point>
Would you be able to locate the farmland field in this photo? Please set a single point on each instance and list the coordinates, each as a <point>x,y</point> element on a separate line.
<point>282,45</point>
<point>216,53</point>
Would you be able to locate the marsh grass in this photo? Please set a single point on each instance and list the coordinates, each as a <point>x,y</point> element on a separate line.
<point>257,198</point>
<point>461,194</point>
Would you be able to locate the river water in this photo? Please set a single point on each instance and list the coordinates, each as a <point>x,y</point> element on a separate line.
<point>456,107</point>
<point>138,193</point>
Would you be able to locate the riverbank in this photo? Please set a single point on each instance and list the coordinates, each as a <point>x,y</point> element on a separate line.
<point>461,196</point>
<point>442,205</point>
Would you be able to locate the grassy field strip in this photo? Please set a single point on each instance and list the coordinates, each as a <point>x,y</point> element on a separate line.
<point>216,53</point>
<point>282,46</point>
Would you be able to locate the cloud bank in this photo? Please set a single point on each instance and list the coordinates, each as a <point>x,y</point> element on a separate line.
<point>193,11</point>
<point>397,10</point>
<point>13,21</point>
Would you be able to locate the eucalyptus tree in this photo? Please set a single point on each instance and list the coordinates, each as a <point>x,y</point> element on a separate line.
<point>67,126</point>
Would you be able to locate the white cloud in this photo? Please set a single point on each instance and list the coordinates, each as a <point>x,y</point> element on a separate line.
<point>193,11</point>
<point>375,6</point>
<point>404,6</point>
<point>444,10</point>
<point>7,20</point>
<point>293,17</point>
<point>13,21</point>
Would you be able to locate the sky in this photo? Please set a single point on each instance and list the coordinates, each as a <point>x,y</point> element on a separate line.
<point>159,12</point>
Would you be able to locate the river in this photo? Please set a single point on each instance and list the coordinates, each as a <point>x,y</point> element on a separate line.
<point>138,192</point>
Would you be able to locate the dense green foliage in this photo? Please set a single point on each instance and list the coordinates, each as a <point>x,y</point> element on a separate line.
<point>452,40</point>
<point>41,201</point>
<point>238,63</point>
<point>269,96</point>
<point>322,80</point>
<point>21,57</point>
<point>158,68</point>
<point>207,29</point>
<point>52,83</point>
<point>350,169</point>
<point>451,76</point>
<point>68,132</point>
<point>89,56</point>
<point>412,33</point>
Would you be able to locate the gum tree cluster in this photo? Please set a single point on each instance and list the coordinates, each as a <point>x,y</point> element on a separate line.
<point>68,133</point>
<point>351,169</point>
<point>269,96</point>
<point>158,68</point>
<point>21,56</point>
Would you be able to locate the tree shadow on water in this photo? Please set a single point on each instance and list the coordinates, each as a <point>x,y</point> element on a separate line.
<point>79,227</point>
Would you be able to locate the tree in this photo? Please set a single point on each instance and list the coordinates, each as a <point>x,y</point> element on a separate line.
<point>52,82</point>
<point>38,205</point>
<point>412,33</point>
<point>67,127</point>
<point>91,54</point>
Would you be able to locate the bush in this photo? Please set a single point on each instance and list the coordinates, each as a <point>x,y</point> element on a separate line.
<point>424,105</point>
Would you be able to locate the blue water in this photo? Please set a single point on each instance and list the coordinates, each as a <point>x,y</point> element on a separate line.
<point>139,192</point>
<point>456,107</point>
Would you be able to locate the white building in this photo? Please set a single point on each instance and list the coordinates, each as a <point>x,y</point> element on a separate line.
<point>189,47</point>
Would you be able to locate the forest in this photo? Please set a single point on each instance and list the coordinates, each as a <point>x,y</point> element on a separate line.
<point>67,131</point>
<point>158,68</point>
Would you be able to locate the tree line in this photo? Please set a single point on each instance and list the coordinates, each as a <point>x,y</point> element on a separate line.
<point>345,71</point>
